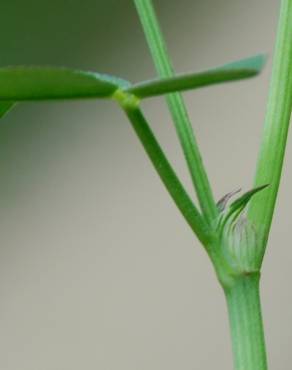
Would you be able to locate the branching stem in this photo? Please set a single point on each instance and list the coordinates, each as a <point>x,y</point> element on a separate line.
<point>166,172</point>
<point>241,287</point>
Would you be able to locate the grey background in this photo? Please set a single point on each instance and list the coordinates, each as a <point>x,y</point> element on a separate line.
<point>97,268</point>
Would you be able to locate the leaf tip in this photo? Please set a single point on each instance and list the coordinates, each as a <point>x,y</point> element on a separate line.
<point>258,62</point>
<point>253,64</point>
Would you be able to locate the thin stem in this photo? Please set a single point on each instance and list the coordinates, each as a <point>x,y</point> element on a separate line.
<point>178,110</point>
<point>276,126</point>
<point>167,174</point>
<point>244,308</point>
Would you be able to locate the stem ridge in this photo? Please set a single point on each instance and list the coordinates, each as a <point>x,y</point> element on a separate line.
<point>246,324</point>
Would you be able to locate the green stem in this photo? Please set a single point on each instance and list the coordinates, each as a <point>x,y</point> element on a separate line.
<point>246,324</point>
<point>271,155</point>
<point>178,110</point>
<point>166,173</point>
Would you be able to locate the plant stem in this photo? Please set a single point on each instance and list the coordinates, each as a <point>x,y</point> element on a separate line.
<point>271,155</point>
<point>167,174</point>
<point>241,289</point>
<point>246,324</point>
<point>178,110</point>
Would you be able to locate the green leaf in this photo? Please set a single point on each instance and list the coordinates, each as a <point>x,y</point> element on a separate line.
<point>5,107</point>
<point>241,202</point>
<point>42,83</point>
<point>238,70</point>
<point>236,207</point>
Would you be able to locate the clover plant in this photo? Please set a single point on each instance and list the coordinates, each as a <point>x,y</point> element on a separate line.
<point>234,232</point>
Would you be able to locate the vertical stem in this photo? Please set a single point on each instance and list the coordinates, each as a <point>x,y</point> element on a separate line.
<point>246,324</point>
<point>177,108</point>
<point>272,150</point>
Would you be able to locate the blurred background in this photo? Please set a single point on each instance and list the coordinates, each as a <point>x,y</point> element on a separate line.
<point>98,270</point>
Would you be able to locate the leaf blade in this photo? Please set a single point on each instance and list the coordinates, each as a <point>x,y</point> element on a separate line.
<point>45,83</point>
<point>237,207</point>
<point>242,69</point>
<point>245,198</point>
